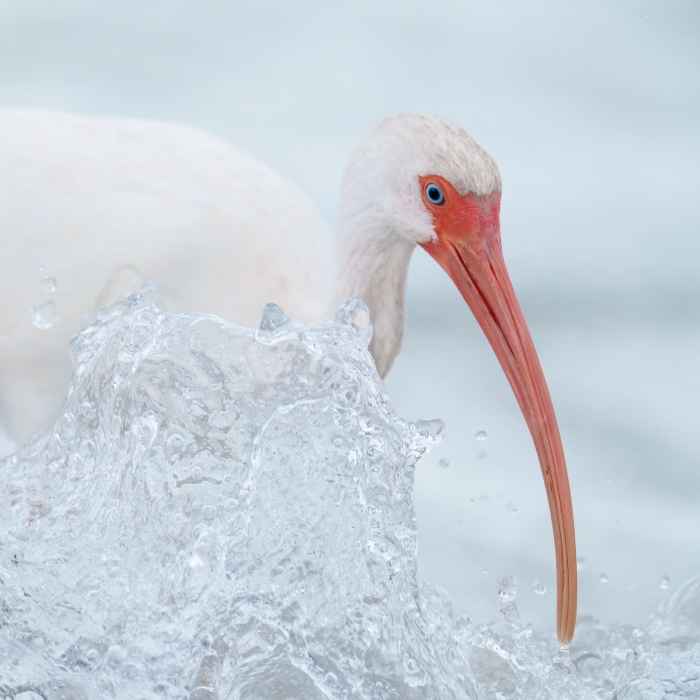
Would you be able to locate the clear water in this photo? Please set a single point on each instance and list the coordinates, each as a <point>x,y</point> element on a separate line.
<point>222,512</point>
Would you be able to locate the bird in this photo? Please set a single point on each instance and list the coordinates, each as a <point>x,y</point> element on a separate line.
<point>95,209</point>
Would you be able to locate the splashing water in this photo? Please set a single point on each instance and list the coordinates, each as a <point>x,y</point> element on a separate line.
<point>225,513</point>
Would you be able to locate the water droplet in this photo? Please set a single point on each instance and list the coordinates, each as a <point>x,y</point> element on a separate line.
<point>664,582</point>
<point>471,501</point>
<point>539,587</point>
<point>512,508</point>
<point>580,563</point>
<point>197,474</point>
<point>603,578</point>
<point>272,318</point>
<point>44,314</point>
<point>481,435</point>
<point>485,571</point>
<point>353,312</point>
<point>48,285</point>
<point>562,658</point>
<point>430,430</point>
<point>507,588</point>
<point>444,463</point>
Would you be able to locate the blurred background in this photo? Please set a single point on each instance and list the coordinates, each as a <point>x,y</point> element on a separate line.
<point>592,111</point>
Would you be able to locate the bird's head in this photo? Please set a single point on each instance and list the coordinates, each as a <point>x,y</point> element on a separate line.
<point>387,175</point>
<point>426,182</point>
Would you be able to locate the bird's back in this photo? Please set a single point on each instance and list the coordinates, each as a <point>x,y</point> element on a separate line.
<point>106,205</point>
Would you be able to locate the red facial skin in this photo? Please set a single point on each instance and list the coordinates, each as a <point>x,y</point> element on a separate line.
<point>468,248</point>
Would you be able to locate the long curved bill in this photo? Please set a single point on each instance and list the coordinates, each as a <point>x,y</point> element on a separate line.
<point>468,248</point>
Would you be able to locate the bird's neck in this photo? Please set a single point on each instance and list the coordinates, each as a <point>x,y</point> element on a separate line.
<point>373,266</point>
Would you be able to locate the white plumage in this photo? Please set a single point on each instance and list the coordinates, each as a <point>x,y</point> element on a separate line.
<point>104,205</point>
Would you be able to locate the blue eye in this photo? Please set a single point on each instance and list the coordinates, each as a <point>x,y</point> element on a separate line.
<point>434,194</point>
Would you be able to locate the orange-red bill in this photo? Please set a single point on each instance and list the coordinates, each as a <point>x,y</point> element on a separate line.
<point>468,248</point>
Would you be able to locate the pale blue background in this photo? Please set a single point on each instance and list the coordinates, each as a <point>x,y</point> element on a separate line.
<point>592,112</point>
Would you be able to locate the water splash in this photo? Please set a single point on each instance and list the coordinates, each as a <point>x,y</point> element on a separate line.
<point>507,587</point>
<point>223,512</point>
<point>354,313</point>
<point>173,533</point>
<point>273,318</point>
<point>563,657</point>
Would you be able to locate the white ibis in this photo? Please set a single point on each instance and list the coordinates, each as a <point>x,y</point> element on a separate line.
<point>105,205</point>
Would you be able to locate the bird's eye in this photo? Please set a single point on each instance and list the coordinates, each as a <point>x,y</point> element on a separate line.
<point>434,194</point>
